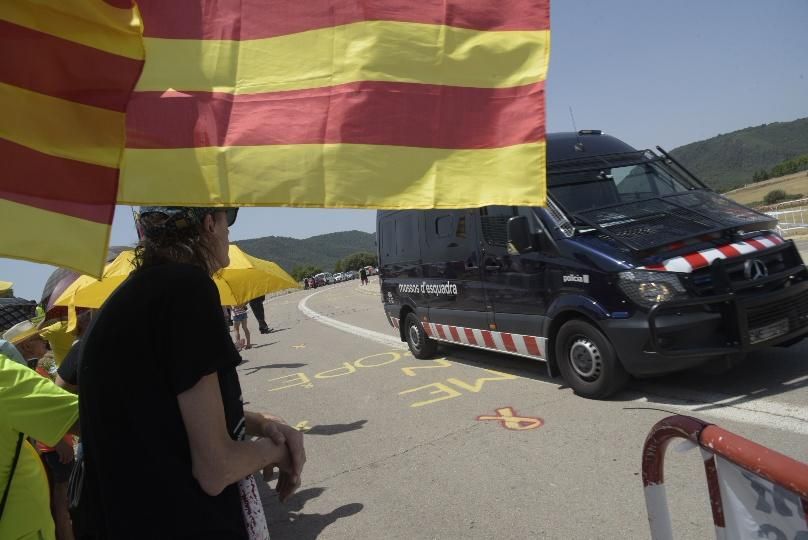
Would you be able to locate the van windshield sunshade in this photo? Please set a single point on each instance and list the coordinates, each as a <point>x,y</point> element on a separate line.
<point>588,163</point>
<point>653,223</point>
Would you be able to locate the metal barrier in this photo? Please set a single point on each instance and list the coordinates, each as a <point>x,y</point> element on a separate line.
<point>755,492</point>
<point>791,215</point>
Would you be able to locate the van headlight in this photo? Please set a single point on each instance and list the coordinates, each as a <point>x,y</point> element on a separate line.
<point>648,288</point>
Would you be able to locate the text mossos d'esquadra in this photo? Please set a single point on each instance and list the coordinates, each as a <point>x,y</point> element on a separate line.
<point>427,288</point>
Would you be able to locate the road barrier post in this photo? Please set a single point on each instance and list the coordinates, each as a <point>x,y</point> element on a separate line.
<point>755,492</point>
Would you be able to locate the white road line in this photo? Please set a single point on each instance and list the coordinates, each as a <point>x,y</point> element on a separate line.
<point>741,408</point>
<point>378,337</point>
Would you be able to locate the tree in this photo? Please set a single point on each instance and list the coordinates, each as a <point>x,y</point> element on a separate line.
<point>355,261</point>
<point>309,270</point>
<point>775,196</point>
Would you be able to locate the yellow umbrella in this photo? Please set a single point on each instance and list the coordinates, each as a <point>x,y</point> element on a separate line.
<point>89,292</point>
<point>248,277</point>
<point>245,278</point>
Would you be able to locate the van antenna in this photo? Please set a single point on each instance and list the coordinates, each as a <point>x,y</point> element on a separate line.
<point>579,146</point>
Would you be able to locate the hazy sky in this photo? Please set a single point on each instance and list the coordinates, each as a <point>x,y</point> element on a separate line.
<point>666,73</point>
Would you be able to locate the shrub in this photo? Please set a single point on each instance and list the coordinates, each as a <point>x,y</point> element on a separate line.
<point>775,196</point>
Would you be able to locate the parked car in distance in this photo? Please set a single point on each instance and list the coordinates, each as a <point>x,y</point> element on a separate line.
<point>324,278</point>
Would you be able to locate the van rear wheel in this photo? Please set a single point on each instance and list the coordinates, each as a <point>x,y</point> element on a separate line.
<point>587,360</point>
<point>420,345</point>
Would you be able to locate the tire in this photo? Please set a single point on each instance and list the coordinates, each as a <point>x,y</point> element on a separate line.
<point>420,345</point>
<point>588,361</point>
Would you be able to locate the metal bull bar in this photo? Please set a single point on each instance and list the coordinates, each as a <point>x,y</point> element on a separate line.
<point>755,492</point>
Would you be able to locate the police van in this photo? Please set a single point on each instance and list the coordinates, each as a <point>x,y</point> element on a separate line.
<point>634,268</point>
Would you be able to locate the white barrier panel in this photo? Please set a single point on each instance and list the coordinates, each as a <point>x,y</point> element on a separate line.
<point>756,508</point>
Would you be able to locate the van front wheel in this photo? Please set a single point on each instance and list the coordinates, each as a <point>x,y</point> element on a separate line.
<point>588,361</point>
<point>420,345</point>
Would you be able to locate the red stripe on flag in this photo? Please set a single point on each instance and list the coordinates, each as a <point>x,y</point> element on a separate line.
<point>532,345</point>
<point>729,250</point>
<point>755,244</point>
<point>455,335</point>
<point>69,187</point>
<point>507,339</point>
<point>489,341</point>
<point>696,260</point>
<point>470,336</point>
<point>441,333</point>
<point>255,19</point>
<point>383,113</point>
<point>64,69</point>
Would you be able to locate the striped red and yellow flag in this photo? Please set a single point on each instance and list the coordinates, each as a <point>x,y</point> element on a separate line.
<point>67,70</point>
<point>339,103</point>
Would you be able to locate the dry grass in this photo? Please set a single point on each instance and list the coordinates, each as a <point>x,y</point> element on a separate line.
<point>792,184</point>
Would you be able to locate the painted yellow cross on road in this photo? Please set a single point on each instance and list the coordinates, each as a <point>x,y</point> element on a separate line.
<point>509,420</point>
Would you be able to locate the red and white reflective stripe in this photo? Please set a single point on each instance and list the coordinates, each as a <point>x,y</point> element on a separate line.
<point>518,344</point>
<point>394,322</point>
<point>703,258</point>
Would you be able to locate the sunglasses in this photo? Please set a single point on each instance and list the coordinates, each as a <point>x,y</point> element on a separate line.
<point>230,214</point>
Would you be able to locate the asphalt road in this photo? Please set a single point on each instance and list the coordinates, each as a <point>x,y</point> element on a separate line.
<point>481,445</point>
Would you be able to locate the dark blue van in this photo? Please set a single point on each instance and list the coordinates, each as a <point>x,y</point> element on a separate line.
<point>634,267</point>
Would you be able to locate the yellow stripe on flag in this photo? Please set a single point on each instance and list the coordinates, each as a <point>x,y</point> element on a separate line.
<point>335,176</point>
<point>49,237</point>
<point>364,51</point>
<point>61,128</point>
<point>90,22</point>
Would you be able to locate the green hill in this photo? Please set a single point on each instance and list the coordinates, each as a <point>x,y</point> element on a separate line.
<point>730,160</point>
<point>323,250</point>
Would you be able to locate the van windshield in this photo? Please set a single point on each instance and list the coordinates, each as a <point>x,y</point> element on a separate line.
<point>578,190</point>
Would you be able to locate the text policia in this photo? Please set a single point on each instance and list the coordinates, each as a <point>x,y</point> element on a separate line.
<point>427,288</point>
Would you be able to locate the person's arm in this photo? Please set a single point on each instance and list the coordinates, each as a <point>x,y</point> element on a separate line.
<point>61,383</point>
<point>32,404</point>
<point>217,460</point>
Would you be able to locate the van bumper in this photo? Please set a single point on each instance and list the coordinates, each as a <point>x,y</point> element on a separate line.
<point>681,335</point>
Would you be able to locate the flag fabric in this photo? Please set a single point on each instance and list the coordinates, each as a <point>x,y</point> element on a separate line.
<point>339,103</point>
<point>67,70</point>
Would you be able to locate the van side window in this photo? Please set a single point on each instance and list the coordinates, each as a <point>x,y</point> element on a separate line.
<point>407,236</point>
<point>388,240</point>
<point>460,230</point>
<point>446,235</point>
<point>400,237</point>
<point>494,224</point>
<point>443,226</point>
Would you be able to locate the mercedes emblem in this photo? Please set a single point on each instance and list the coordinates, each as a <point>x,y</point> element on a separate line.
<point>755,269</point>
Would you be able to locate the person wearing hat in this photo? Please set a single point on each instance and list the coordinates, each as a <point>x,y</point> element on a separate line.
<point>30,405</point>
<point>58,458</point>
<point>26,339</point>
<point>192,477</point>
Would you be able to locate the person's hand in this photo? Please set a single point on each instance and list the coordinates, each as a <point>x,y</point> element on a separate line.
<point>280,432</point>
<point>65,452</point>
<point>288,482</point>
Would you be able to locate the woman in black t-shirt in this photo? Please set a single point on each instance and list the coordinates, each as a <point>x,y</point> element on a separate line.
<point>162,422</point>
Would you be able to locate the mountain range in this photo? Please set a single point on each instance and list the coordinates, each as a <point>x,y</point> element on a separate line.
<point>730,160</point>
<point>322,251</point>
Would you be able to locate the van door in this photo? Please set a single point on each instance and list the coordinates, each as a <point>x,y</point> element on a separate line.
<point>451,261</point>
<point>515,285</point>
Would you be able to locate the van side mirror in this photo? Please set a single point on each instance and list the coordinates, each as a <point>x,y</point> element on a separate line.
<point>519,234</point>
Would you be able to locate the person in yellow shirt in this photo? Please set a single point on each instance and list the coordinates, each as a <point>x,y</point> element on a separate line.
<point>34,406</point>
